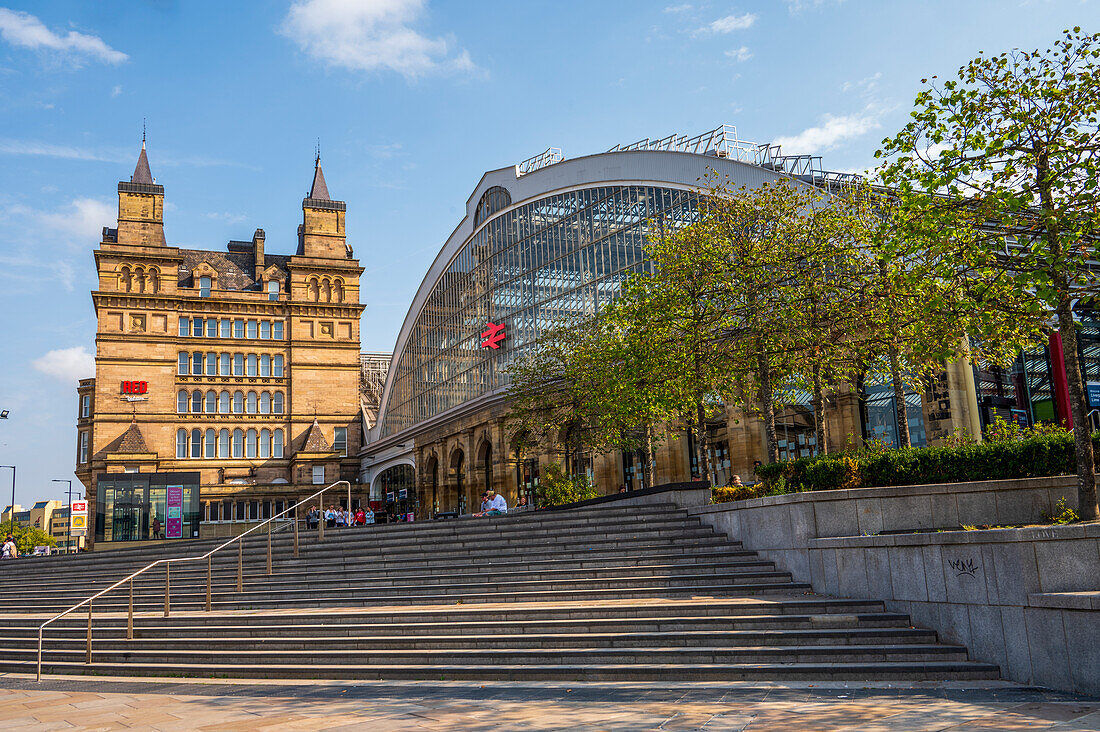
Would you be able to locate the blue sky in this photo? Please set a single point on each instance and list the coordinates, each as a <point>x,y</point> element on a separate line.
<point>412,101</point>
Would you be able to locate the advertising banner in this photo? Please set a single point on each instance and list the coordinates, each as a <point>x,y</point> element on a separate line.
<point>1092,388</point>
<point>173,525</point>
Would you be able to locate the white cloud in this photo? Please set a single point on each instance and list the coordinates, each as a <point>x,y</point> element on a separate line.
<point>831,132</point>
<point>730,23</point>
<point>369,35</point>
<point>66,152</point>
<point>67,364</point>
<point>26,31</point>
<point>866,86</point>
<point>117,90</point>
<point>740,54</point>
<point>681,8</point>
<point>797,6</point>
<point>84,219</point>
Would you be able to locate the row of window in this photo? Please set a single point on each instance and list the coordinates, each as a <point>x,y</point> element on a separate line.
<point>211,402</point>
<point>230,364</point>
<point>228,510</point>
<point>226,328</point>
<point>206,284</point>
<point>239,443</point>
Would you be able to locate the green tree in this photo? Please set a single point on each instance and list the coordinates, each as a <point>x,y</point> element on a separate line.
<point>1014,142</point>
<point>28,537</point>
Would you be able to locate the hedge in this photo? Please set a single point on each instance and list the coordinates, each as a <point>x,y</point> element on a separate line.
<point>1031,456</point>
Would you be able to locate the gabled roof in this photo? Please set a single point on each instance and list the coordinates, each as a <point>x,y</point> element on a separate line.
<point>315,439</point>
<point>129,442</point>
<point>141,171</point>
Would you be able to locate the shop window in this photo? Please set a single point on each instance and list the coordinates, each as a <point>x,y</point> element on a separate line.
<point>196,443</point>
<point>181,444</point>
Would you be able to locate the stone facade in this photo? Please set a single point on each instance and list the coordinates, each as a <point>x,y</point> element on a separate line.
<point>248,352</point>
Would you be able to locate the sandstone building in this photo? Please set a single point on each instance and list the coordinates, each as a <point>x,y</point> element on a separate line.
<point>227,384</point>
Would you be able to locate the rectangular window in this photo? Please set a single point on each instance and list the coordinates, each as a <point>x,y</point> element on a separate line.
<point>238,329</point>
<point>265,329</point>
<point>204,287</point>
<point>83,452</point>
<point>86,406</point>
<point>196,327</point>
<point>211,328</point>
<point>196,363</point>
<point>277,330</point>
<point>223,366</point>
<point>211,364</point>
<point>272,289</point>
<point>185,326</point>
<point>252,328</point>
<point>318,475</point>
<point>277,366</point>
<point>340,441</point>
<point>184,364</point>
<point>226,327</point>
<point>252,364</point>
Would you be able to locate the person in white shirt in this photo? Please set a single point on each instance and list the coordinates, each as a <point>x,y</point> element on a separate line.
<point>9,550</point>
<point>494,505</point>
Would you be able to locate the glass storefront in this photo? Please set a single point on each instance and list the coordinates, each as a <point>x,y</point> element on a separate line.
<point>880,413</point>
<point>147,506</point>
<point>398,486</point>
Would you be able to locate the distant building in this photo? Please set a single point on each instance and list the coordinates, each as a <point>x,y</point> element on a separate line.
<point>227,383</point>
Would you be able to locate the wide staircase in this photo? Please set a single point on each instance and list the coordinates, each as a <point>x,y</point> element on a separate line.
<point>609,592</point>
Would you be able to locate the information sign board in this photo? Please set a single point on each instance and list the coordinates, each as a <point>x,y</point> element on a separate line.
<point>79,522</point>
<point>173,525</point>
<point>1092,388</point>
<point>78,507</point>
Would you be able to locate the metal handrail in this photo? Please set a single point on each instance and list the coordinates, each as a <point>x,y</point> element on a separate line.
<point>167,562</point>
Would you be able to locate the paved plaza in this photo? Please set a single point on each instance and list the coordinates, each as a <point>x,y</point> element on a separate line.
<point>184,704</point>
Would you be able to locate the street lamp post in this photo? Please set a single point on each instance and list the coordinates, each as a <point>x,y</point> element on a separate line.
<point>12,496</point>
<point>69,538</point>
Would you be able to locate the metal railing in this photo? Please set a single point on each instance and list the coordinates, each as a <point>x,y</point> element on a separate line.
<point>209,573</point>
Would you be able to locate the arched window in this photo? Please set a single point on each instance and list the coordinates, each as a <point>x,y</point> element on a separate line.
<point>250,444</point>
<point>238,364</point>
<point>210,440</point>
<point>223,443</point>
<point>252,364</point>
<point>265,365</point>
<point>154,280</point>
<point>337,291</point>
<point>184,363</point>
<point>277,366</point>
<point>211,402</point>
<point>326,290</point>
<point>223,403</point>
<point>181,401</point>
<point>139,278</point>
<point>277,444</point>
<point>196,401</point>
<point>196,443</point>
<point>181,444</point>
<point>277,403</point>
<point>124,281</point>
<point>238,402</point>
<point>314,289</point>
<point>265,403</point>
<point>238,443</point>
<point>265,443</point>
<point>493,200</point>
<point>224,364</point>
<point>251,407</point>
<point>196,363</point>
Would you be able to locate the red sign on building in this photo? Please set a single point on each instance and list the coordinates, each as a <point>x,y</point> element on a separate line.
<point>135,387</point>
<point>493,335</point>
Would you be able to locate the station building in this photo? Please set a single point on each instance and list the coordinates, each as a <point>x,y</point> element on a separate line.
<point>552,237</point>
<point>227,383</point>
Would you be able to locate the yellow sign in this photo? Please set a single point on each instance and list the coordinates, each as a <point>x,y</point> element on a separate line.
<point>80,522</point>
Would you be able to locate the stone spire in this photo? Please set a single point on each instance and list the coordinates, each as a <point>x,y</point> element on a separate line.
<point>141,171</point>
<point>318,191</point>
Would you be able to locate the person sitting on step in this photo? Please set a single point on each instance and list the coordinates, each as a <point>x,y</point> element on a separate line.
<point>493,505</point>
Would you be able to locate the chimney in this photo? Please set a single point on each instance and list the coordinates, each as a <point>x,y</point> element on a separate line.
<point>258,253</point>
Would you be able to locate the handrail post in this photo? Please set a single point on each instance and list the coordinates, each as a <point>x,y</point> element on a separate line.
<point>321,523</point>
<point>295,533</point>
<point>88,644</point>
<point>349,496</point>
<point>130,613</point>
<point>167,565</point>
<point>209,579</point>
<point>38,674</point>
<point>269,549</point>
<point>240,566</point>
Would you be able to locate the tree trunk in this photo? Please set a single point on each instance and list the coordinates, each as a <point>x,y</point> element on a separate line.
<point>651,458</point>
<point>703,456</point>
<point>767,404</point>
<point>819,411</point>
<point>1082,440</point>
<point>901,415</point>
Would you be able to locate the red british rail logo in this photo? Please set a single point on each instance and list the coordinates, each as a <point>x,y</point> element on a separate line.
<point>493,335</point>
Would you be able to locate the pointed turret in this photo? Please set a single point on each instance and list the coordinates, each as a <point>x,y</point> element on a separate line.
<point>141,206</point>
<point>322,231</point>
<point>319,190</point>
<point>141,171</point>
